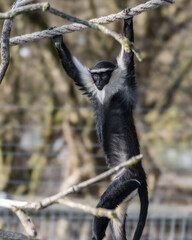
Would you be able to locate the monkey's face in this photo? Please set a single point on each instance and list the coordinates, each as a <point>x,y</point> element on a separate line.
<point>100,79</point>
<point>101,73</point>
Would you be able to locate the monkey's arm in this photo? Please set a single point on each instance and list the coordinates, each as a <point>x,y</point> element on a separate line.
<point>78,72</point>
<point>129,60</point>
<point>126,58</point>
<point>125,62</point>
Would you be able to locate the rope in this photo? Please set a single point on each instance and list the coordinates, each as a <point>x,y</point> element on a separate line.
<point>79,27</point>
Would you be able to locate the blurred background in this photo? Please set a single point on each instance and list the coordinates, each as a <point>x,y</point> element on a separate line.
<point>47,132</point>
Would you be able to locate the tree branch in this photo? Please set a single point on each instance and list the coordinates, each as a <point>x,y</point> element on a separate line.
<point>26,221</point>
<point>76,188</point>
<point>5,52</point>
<point>19,206</point>
<point>100,212</point>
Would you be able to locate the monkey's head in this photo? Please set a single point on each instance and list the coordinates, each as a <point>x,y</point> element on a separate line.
<point>101,73</point>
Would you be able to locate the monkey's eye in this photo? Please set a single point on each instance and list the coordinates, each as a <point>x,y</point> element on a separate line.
<point>104,76</point>
<point>95,76</point>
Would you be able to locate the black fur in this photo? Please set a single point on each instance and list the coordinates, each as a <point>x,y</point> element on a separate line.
<point>104,64</point>
<point>116,132</point>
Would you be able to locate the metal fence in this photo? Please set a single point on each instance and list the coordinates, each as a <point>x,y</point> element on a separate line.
<point>62,224</point>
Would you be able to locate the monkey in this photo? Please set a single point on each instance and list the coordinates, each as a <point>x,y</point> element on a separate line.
<point>112,90</point>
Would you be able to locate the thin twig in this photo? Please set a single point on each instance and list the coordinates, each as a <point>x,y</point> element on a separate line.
<point>100,212</point>
<point>26,221</point>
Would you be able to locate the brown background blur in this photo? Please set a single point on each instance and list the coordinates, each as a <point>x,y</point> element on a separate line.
<point>47,130</point>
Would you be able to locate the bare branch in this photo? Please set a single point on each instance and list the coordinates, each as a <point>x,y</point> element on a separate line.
<point>26,221</point>
<point>100,212</point>
<point>16,207</point>
<point>19,206</point>
<point>7,203</point>
<point>5,53</point>
<point>5,36</point>
<point>76,188</point>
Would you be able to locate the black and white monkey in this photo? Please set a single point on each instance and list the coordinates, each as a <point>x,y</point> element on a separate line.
<point>112,91</point>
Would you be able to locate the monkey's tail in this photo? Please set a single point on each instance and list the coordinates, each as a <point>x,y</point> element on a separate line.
<point>144,202</point>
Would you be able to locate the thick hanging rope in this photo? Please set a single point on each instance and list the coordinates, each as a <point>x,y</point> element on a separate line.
<point>78,27</point>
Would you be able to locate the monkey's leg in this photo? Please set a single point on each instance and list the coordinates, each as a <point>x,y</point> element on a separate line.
<point>116,193</point>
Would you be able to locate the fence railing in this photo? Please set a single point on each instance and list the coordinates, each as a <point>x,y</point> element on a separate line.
<point>64,224</point>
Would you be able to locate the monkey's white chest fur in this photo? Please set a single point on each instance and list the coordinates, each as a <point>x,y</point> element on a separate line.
<point>101,95</point>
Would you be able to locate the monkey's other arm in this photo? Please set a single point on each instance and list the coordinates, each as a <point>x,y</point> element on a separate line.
<point>131,81</point>
<point>77,71</point>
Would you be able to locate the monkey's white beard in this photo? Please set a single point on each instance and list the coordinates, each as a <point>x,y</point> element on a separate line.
<point>101,95</point>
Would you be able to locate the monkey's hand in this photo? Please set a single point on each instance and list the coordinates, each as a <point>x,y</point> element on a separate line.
<point>127,10</point>
<point>58,39</point>
<point>130,19</point>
